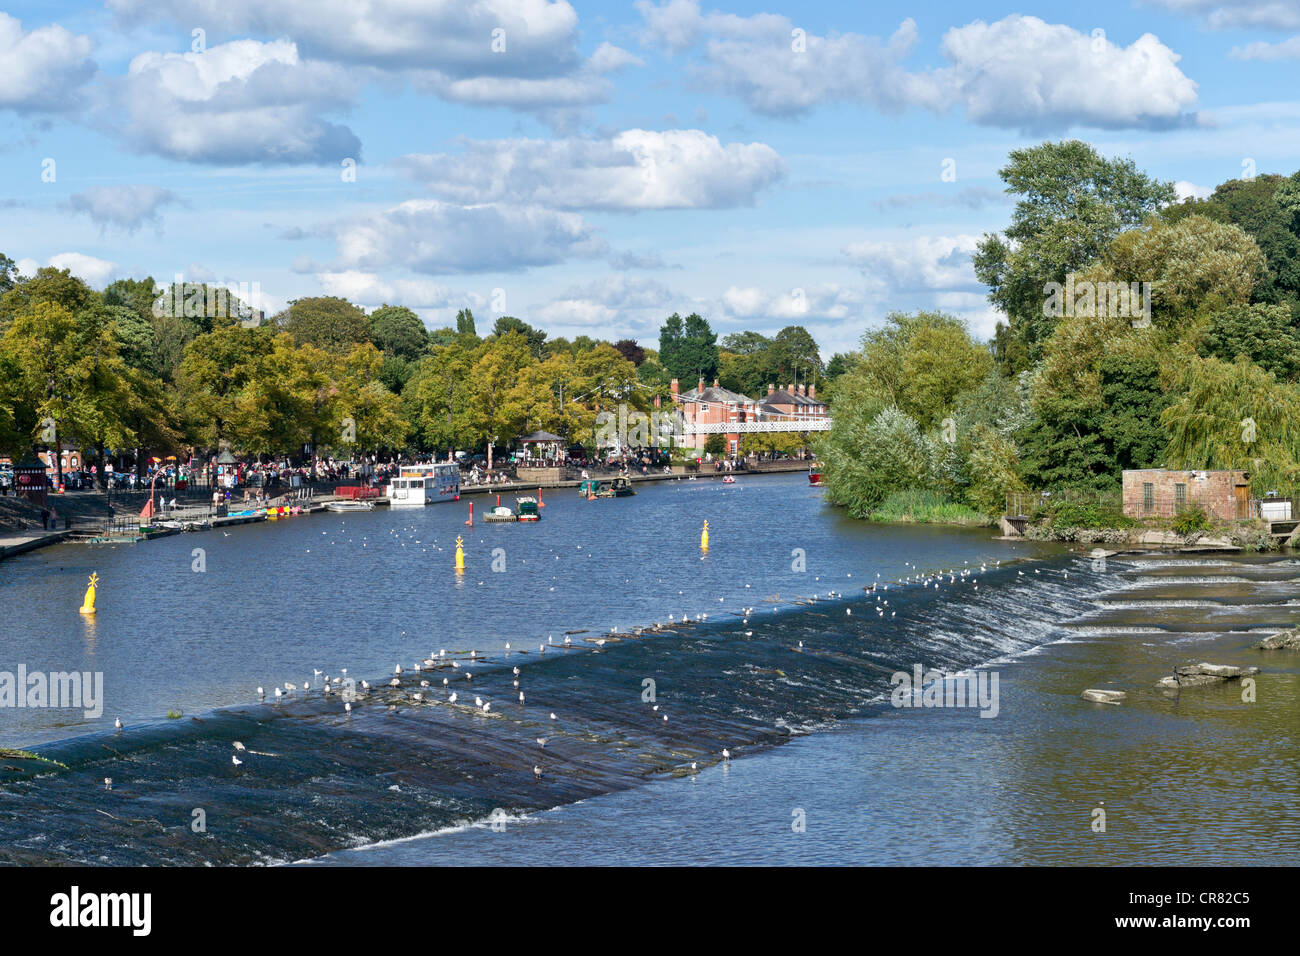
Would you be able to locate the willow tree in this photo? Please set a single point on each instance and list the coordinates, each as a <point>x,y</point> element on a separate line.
<point>1235,415</point>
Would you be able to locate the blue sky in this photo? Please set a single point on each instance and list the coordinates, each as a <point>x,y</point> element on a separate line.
<point>593,167</point>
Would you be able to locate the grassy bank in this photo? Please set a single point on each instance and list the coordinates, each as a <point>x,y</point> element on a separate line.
<point>926,507</point>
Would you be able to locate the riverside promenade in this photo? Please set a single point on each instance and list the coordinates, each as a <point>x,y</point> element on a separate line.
<point>17,542</point>
<point>203,517</point>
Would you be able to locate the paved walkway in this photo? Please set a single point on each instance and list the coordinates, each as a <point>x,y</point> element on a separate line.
<point>17,542</point>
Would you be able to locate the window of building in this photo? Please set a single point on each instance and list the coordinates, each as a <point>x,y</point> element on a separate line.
<point>1180,495</point>
<point>1148,496</point>
<point>704,406</point>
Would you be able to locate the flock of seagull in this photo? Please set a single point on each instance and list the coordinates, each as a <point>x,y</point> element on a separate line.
<point>347,690</point>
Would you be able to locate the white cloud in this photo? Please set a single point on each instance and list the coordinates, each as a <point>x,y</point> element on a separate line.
<point>636,169</point>
<point>517,53</point>
<point>237,102</point>
<point>575,312</point>
<point>633,259</point>
<point>1288,49</point>
<point>1186,190</point>
<point>126,207</point>
<point>1019,72</point>
<point>96,273</point>
<point>43,69</point>
<point>435,237</point>
<point>1023,72</point>
<point>372,290</point>
<point>926,263</point>
<point>452,36</point>
<point>617,305</point>
<point>792,306</point>
<point>1230,14</point>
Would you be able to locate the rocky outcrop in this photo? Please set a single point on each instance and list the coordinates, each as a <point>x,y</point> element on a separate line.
<point>1282,640</point>
<point>1199,675</point>
<point>1103,696</point>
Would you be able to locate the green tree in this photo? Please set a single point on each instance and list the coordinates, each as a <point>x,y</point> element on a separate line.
<point>399,332</point>
<point>465,323</point>
<point>1235,415</point>
<point>920,363</point>
<point>328,322</point>
<point>1268,335</point>
<point>688,348</point>
<point>1073,203</point>
<point>866,457</point>
<point>536,338</point>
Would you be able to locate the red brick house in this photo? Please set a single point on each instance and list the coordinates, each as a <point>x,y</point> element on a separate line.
<point>792,402</point>
<point>1161,493</point>
<point>715,405</point>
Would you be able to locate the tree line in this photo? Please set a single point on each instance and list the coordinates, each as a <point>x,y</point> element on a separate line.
<point>1137,331</point>
<point>139,370</point>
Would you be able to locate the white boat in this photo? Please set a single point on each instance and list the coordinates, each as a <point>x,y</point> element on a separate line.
<point>349,506</point>
<point>419,485</point>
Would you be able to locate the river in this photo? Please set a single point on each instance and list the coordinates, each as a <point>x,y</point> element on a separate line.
<point>786,663</point>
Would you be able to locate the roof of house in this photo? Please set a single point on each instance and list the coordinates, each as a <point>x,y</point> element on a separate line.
<point>716,394</point>
<point>783,397</point>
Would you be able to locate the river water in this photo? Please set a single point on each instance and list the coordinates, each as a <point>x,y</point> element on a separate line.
<point>785,662</point>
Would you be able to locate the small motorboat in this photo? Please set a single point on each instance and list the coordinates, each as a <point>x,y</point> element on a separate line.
<point>528,509</point>
<point>615,488</point>
<point>349,506</point>
<point>500,513</point>
<point>814,477</point>
<point>729,480</point>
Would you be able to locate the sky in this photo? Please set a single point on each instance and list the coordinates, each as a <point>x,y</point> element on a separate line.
<point>594,167</point>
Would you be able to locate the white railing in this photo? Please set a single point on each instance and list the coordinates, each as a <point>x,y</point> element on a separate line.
<point>766,425</point>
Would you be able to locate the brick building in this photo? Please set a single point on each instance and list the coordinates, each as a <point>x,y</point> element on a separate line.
<point>715,405</point>
<point>792,402</point>
<point>1161,493</point>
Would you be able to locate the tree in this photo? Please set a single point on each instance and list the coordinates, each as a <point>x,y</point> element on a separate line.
<point>866,457</point>
<point>68,373</point>
<point>135,337</point>
<point>437,398</point>
<point>329,322</point>
<point>399,332</point>
<point>138,295</point>
<point>1073,203</point>
<point>918,362</point>
<point>465,323</point>
<point>1196,266</point>
<point>1265,208</point>
<point>630,351</point>
<point>746,343</point>
<point>793,355</point>
<point>688,348</point>
<point>1268,335</point>
<point>213,375</point>
<point>536,337</point>
<point>9,276</point>
<point>1235,415</point>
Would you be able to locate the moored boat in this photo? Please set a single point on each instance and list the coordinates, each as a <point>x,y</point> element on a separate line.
<point>614,488</point>
<point>418,485</point>
<point>349,506</point>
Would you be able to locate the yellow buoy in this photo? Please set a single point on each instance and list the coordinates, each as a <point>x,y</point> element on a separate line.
<point>88,605</point>
<point>704,537</point>
<point>460,555</point>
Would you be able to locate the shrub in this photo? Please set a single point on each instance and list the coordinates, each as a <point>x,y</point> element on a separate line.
<point>1191,520</point>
